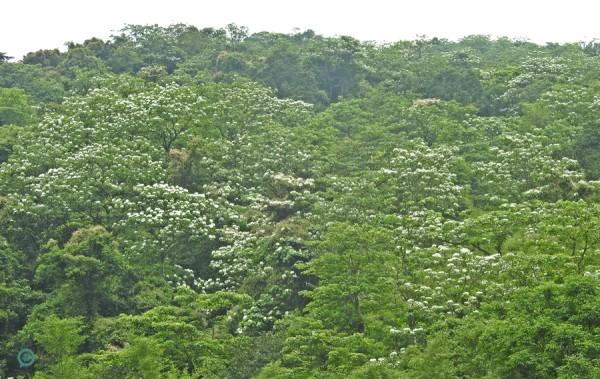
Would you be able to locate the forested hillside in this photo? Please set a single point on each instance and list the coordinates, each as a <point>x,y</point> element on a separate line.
<point>179,202</point>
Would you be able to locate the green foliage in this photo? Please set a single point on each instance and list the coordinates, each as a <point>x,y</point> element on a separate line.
<point>60,339</point>
<point>14,107</point>
<point>179,202</point>
<point>86,276</point>
<point>8,138</point>
<point>41,84</point>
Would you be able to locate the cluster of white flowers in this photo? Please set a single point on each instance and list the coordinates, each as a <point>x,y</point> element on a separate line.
<point>424,177</point>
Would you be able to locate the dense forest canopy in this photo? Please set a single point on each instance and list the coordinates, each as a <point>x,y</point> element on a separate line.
<point>178,202</point>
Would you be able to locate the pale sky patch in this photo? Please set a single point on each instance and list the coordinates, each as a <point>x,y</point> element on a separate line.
<point>29,25</point>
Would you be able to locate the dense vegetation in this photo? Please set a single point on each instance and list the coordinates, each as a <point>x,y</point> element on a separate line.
<point>198,203</point>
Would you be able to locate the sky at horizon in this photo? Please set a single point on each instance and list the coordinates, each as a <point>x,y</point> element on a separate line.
<point>30,25</point>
